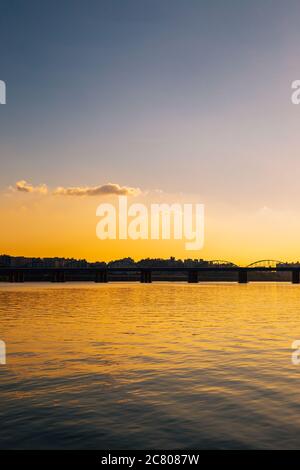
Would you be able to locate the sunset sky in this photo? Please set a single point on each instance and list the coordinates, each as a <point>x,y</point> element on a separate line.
<point>183,100</point>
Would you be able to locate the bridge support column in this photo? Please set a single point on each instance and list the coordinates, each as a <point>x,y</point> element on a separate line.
<point>58,276</point>
<point>16,276</point>
<point>101,276</point>
<point>193,276</point>
<point>146,276</point>
<point>243,276</point>
<point>19,276</point>
<point>295,277</point>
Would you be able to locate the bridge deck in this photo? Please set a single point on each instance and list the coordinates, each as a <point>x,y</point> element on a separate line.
<point>107,273</point>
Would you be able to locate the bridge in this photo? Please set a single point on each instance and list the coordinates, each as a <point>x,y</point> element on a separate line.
<point>145,274</point>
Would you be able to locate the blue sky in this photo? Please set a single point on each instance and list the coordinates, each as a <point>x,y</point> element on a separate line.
<point>183,96</point>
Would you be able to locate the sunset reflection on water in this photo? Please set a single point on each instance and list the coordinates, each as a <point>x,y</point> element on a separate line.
<point>165,365</point>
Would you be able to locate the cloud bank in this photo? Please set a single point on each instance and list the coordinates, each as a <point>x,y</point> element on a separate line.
<point>102,190</point>
<point>25,187</point>
<point>105,189</point>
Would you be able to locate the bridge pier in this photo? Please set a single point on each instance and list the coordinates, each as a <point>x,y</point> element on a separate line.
<point>242,276</point>
<point>295,277</point>
<point>58,276</point>
<point>193,276</point>
<point>146,276</point>
<point>101,276</point>
<point>16,276</point>
<point>20,276</point>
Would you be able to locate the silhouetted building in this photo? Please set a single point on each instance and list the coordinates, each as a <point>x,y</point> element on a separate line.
<point>5,260</point>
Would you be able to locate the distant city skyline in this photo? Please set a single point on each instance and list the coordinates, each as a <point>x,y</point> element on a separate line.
<point>23,261</point>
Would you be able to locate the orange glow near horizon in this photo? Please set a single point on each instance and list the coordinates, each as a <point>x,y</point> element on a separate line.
<point>37,226</point>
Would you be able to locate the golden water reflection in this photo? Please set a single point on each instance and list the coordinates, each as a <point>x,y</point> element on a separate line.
<point>149,366</point>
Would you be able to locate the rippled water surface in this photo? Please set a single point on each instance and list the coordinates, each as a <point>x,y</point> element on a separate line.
<point>134,366</point>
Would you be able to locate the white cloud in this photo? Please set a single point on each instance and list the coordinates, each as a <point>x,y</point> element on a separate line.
<point>25,187</point>
<point>102,190</point>
<point>105,189</point>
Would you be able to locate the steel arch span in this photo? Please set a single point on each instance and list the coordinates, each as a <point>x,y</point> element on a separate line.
<point>265,263</point>
<point>222,262</point>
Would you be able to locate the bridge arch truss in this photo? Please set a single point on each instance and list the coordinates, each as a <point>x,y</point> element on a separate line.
<point>265,263</point>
